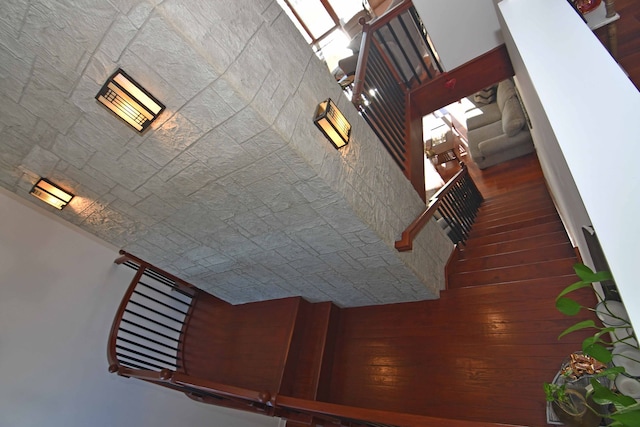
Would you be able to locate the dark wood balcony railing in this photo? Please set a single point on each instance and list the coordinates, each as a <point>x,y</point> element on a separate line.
<point>395,56</point>
<point>456,205</point>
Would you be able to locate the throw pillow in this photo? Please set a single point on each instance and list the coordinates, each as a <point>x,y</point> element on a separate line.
<point>512,117</point>
<point>485,96</point>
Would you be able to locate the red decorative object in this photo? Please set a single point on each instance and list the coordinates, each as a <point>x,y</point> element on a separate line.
<point>586,6</point>
<point>450,84</point>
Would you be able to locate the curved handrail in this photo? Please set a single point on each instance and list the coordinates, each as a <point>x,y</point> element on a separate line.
<point>184,286</point>
<point>373,417</point>
<point>406,241</point>
<point>263,397</point>
<point>144,269</point>
<point>180,379</point>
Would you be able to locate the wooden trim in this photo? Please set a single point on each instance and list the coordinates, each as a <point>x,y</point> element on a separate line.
<point>415,151</point>
<point>221,389</point>
<point>383,20</point>
<point>453,258</point>
<point>373,415</point>
<point>449,87</point>
<point>406,241</point>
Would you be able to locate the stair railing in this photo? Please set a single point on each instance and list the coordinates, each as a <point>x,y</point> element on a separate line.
<point>456,204</point>
<point>146,338</point>
<point>395,55</point>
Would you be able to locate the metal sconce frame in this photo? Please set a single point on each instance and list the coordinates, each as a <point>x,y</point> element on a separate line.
<point>51,194</point>
<point>333,124</point>
<point>129,101</point>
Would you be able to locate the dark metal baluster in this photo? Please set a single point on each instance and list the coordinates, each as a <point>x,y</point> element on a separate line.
<point>159,302</point>
<point>135,334</point>
<point>148,348</point>
<point>413,45</point>
<point>188,304</point>
<point>159,313</point>
<point>148,356</point>
<point>135,359</point>
<point>142,316</point>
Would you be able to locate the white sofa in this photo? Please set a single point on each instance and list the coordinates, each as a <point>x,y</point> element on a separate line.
<point>500,133</point>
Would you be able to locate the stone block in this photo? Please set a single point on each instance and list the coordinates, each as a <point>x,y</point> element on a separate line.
<point>49,103</point>
<point>167,142</point>
<point>72,151</point>
<point>120,34</point>
<point>131,170</point>
<point>208,109</point>
<point>175,60</point>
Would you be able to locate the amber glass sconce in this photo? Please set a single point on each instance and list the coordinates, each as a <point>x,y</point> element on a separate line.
<point>129,101</point>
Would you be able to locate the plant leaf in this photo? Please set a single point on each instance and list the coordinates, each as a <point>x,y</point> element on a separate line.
<point>611,373</point>
<point>580,325</point>
<point>629,416</point>
<point>583,272</point>
<point>568,306</point>
<point>603,396</point>
<point>587,275</point>
<point>598,352</point>
<point>573,287</point>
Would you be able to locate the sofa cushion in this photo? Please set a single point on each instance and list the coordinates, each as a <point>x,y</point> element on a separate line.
<point>512,117</point>
<point>477,136</point>
<point>506,90</point>
<point>501,143</point>
<point>490,114</point>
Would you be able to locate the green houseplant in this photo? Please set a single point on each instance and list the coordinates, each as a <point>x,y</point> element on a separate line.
<point>627,410</point>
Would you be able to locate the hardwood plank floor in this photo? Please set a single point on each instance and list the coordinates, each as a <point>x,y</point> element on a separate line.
<point>483,350</point>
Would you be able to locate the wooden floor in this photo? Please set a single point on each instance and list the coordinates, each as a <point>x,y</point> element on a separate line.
<point>483,350</point>
<point>628,27</point>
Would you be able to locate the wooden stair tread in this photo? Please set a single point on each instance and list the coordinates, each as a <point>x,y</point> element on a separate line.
<point>477,249</point>
<point>557,267</point>
<point>516,258</point>
<point>478,231</point>
<point>486,213</point>
<point>515,217</point>
<point>519,233</point>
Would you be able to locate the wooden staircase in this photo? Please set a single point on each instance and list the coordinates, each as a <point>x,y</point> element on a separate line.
<point>517,236</point>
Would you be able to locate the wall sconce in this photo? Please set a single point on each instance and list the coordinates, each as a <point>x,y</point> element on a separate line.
<point>51,194</point>
<point>129,101</point>
<point>332,123</point>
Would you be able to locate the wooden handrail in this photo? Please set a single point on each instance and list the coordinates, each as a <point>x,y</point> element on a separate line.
<point>184,286</point>
<point>384,19</point>
<point>406,241</point>
<point>180,379</point>
<point>263,397</point>
<point>373,416</point>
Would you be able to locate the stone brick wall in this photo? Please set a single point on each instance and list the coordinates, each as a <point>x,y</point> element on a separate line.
<point>234,189</point>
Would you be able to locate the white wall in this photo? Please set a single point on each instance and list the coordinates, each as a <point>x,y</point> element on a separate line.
<point>460,29</point>
<point>583,108</point>
<point>59,290</point>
